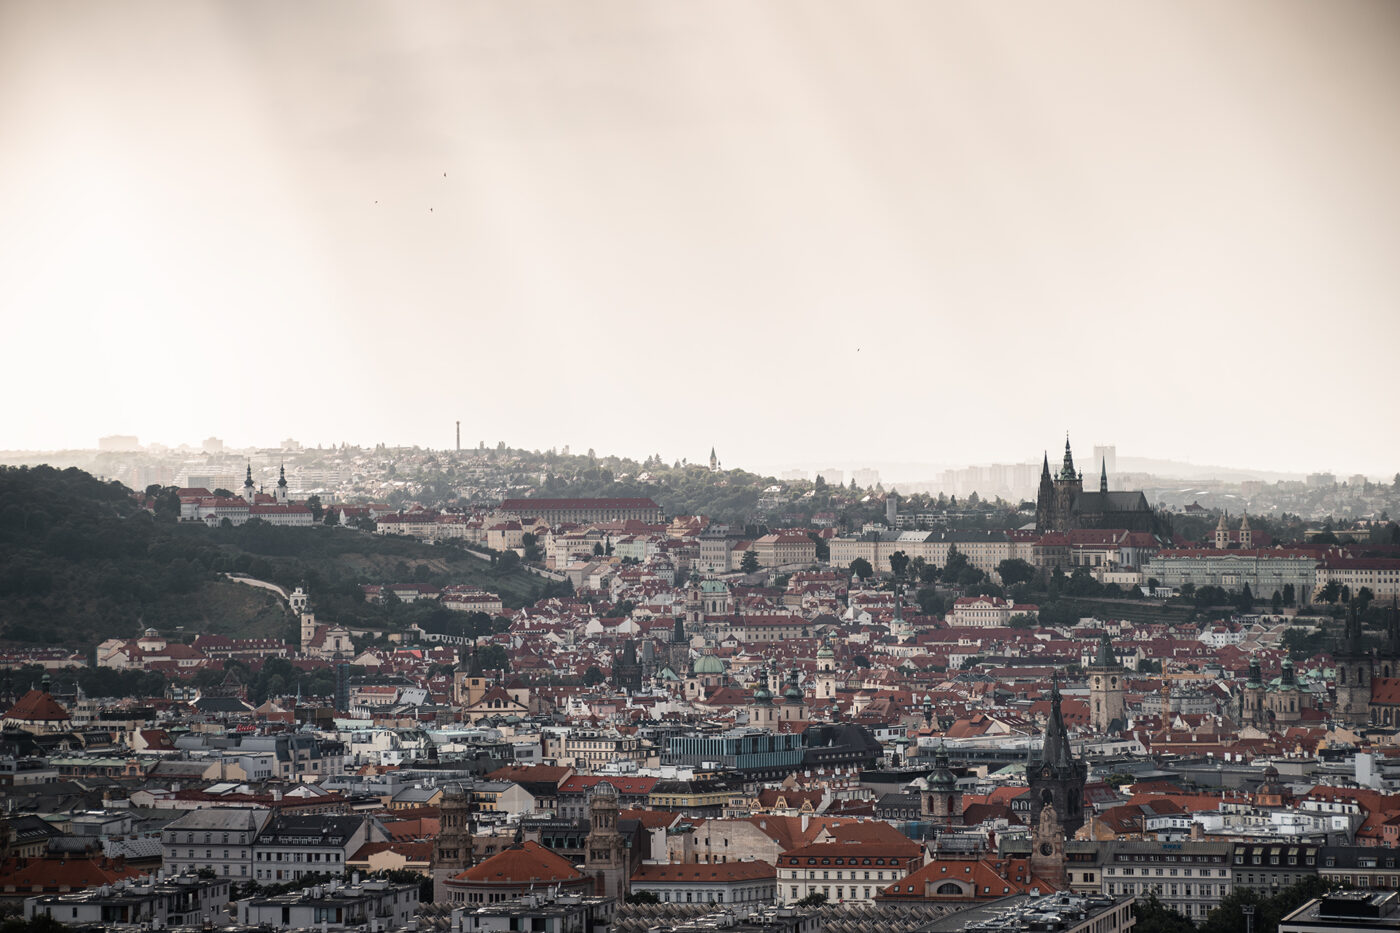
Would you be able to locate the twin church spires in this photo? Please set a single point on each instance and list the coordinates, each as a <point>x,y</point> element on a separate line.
<point>281,495</point>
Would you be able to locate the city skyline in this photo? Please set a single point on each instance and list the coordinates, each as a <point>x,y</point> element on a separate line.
<point>925,233</point>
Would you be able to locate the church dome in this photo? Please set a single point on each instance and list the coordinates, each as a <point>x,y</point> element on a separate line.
<point>793,693</point>
<point>709,664</point>
<point>825,652</point>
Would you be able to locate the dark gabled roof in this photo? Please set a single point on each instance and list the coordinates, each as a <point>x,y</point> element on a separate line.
<point>293,830</point>
<point>1111,502</point>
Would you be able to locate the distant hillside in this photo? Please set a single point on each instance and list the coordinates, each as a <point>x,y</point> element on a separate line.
<point>80,562</point>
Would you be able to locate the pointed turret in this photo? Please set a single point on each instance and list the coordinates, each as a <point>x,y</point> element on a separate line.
<point>282,476</point>
<point>1056,751</point>
<point>1067,468</point>
<point>248,485</point>
<point>1105,656</point>
<point>1256,675</point>
<point>1103,475</point>
<point>942,780</point>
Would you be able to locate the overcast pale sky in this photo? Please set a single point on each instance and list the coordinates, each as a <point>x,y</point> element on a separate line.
<point>801,232</point>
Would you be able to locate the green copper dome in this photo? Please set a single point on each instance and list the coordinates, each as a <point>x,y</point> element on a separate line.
<point>708,664</point>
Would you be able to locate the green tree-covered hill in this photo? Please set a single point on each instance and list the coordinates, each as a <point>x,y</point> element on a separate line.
<point>81,561</point>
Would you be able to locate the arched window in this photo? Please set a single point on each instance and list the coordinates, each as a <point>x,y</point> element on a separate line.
<point>948,888</point>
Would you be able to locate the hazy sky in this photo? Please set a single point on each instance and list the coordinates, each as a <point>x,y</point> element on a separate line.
<point>801,232</point>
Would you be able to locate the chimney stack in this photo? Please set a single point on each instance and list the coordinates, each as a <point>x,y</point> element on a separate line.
<point>459,437</point>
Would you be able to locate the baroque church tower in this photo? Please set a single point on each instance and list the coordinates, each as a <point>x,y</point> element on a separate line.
<point>1253,700</point>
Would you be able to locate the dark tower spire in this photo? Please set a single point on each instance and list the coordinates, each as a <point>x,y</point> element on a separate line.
<point>1056,751</point>
<point>1103,476</point>
<point>282,476</point>
<point>1067,468</point>
<point>1057,778</point>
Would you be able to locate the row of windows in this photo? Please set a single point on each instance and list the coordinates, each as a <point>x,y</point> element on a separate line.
<point>209,838</point>
<point>840,893</point>
<point>879,876</point>
<point>297,856</point>
<point>1170,890</point>
<point>717,897</point>
<point>1186,872</point>
<point>1209,859</point>
<point>1273,859</point>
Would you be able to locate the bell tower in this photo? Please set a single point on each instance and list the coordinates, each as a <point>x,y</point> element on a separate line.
<point>605,854</point>
<point>1353,675</point>
<point>826,674</point>
<point>1057,778</point>
<point>762,713</point>
<point>942,803</point>
<point>1106,691</point>
<point>1253,712</point>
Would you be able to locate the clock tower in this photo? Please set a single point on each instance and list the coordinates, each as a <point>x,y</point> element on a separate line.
<point>1048,848</point>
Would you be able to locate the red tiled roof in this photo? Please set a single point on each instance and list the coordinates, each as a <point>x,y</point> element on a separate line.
<point>524,863</point>
<point>37,706</point>
<point>987,877</point>
<point>625,785</point>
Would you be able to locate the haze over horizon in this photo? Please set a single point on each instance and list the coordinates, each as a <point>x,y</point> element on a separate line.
<point>906,233</point>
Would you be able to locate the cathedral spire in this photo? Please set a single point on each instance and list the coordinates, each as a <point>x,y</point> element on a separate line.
<point>282,476</point>
<point>1067,468</point>
<point>1103,475</point>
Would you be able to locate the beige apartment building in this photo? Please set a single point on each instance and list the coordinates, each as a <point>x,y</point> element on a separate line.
<point>785,549</point>
<point>983,550</point>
